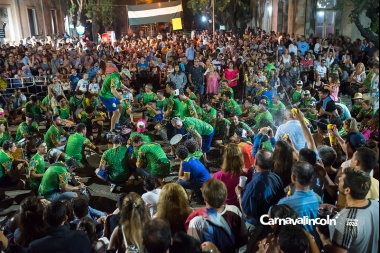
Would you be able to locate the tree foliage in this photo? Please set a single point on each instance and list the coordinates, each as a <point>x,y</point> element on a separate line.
<point>233,13</point>
<point>370,31</point>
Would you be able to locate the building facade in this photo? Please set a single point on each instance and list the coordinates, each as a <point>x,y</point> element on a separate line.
<point>304,17</point>
<point>26,18</point>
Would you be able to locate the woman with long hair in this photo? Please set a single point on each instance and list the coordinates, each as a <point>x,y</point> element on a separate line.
<point>283,161</point>
<point>87,225</point>
<point>212,81</point>
<point>356,80</point>
<point>232,169</point>
<point>133,216</point>
<point>173,206</point>
<point>333,86</point>
<point>32,225</point>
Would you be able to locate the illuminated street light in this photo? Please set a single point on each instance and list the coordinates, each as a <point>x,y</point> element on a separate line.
<point>204,19</point>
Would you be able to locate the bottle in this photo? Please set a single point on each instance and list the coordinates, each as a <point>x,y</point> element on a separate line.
<point>331,136</point>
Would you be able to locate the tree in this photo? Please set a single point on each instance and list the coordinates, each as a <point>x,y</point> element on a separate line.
<point>233,13</point>
<point>101,12</point>
<point>371,9</point>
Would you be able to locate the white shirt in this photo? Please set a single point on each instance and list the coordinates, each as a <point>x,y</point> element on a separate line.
<point>151,200</point>
<point>321,70</point>
<point>82,85</point>
<point>94,88</point>
<point>293,48</point>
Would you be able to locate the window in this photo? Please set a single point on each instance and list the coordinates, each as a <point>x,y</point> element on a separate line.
<point>32,22</point>
<point>54,21</point>
<point>326,4</point>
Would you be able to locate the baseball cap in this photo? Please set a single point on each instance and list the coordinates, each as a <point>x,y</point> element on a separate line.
<point>1,111</point>
<point>306,92</point>
<point>141,125</point>
<point>299,82</point>
<point>355,139</point>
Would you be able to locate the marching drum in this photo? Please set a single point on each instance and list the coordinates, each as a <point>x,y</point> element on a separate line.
<point>176,140</point>
<point>137,116</point>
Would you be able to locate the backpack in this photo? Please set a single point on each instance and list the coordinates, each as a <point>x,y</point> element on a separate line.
<point>220,237</point>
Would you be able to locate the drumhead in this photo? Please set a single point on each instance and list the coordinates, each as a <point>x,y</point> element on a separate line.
<point>20,142</point>
<point>77,111</point>
<point>175,139</point>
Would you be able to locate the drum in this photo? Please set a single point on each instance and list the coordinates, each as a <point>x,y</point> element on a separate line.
<point>54,154</point>
<point>21,142</point>
<point>93,160</point>
<point>176,140</point>
<point>18,154</point>
<point>137,116</point>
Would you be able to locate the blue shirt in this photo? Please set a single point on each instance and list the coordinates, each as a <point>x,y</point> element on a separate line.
<point>303,47</point>
<point>196,169</point>
<point>190,52</point>
<point>74,80</point>
<point>294,130</point>
<point>305,203</point>
<point>264,191</point>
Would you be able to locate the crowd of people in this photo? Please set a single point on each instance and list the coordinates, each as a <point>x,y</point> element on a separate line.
<point>295,122</point>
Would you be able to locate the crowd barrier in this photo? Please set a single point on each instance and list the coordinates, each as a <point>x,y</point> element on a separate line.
<point>31,85</point>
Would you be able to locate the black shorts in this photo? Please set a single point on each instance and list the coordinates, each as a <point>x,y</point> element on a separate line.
<point>6,182</point>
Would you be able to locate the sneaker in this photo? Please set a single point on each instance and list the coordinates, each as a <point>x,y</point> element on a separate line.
<point>112,188</point>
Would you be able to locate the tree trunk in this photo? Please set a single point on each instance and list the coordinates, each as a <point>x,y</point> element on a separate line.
<point>95,27</point>
<point>365,32</point>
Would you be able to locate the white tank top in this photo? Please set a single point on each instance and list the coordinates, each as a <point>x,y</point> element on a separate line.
<point>286,59</point>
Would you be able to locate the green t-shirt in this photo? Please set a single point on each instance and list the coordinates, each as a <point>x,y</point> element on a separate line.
<point>200,112</point>
<point>197,155</point>
<point>45,102</point>
<point>35,109</point>
<point>75,102</point>
<point>264,119</point>
<point>187,108</point>
<point>221,127</point>
<point>53,179</point>
<point>111,81</point>
<point>116,162</point>
<point>155,158</point>
<point>277,110</point>
<point>296,96</point>
<point>36,164</point>
<point>24,128</point>
<point>222,90</point>
<point>6,162</point>
<point>4,137</point>
<point>75,145</point>
<point>210,117</point>
<point>146,98</point>
<point>193,96</point>
<point>125,105</point>
<point>145,138</point>
<point>53,136</point>
<point>356,108</point>
<point>63,112</point>
<point>232,107</point>
<point>241,125</point>
<point>86,118</point>
<point>193,125</point>
<point>163,104</point>
<point>175,105</point>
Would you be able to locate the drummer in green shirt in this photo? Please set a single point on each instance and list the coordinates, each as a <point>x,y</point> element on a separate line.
<point>4,133</point>
<point>209,113</point>
<point>111,98</point>
<point>53,140</point>
<point>113,167</point>
<point>229,105</point>
<point>148,95</point>
<point>35,107</point>
<point>37,165</point>
<point>151,160</point>
<point>77,142</point>
<point>224,87</point>
<point>9,171</point>
<point>162,101</point>
<point>200,130</point>
<point>187,108</point>
<point>173,108</point>
<point>62,109</point>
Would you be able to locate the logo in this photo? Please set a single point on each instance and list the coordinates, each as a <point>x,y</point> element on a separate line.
<point>265,220</point>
